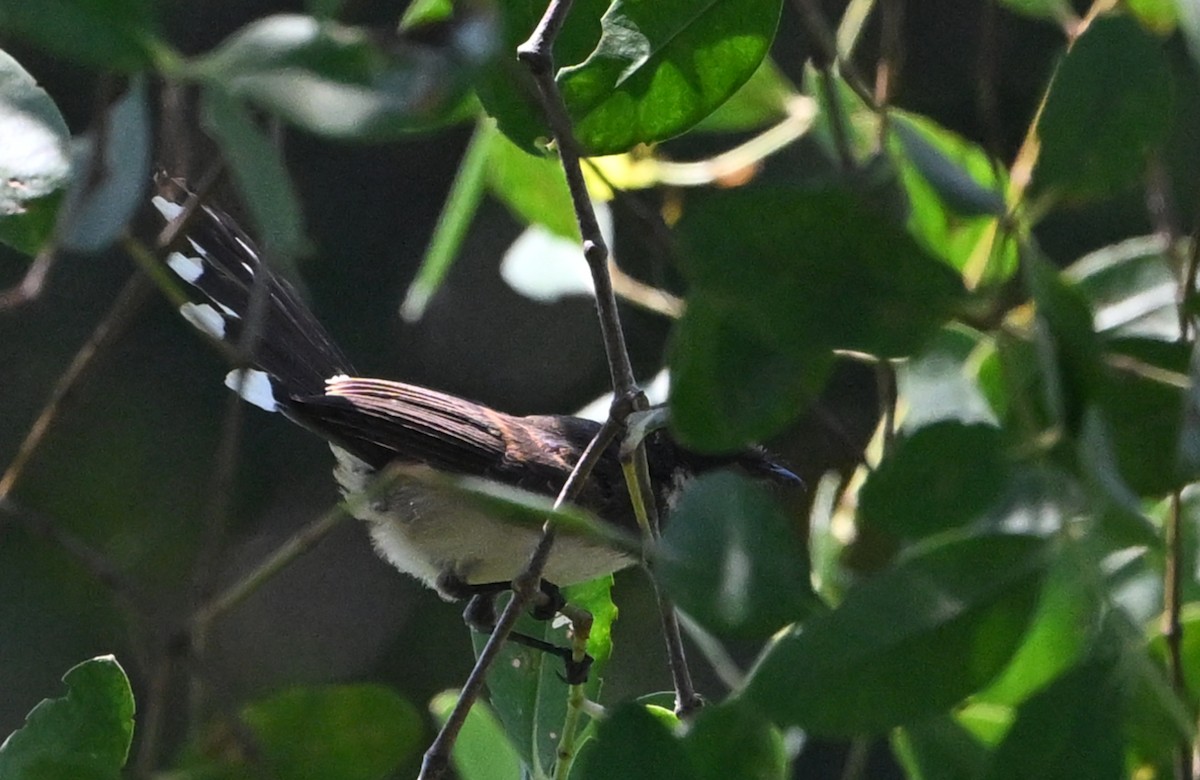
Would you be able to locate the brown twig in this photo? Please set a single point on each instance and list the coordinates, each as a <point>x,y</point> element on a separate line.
<point>1161,209</point>
<point>437,756</point>
<point>127,303</point>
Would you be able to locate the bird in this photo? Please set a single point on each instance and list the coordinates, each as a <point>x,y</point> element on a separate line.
<point>371,424</point>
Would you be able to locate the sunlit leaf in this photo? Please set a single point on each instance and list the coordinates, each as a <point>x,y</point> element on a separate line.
<point>663,65</point>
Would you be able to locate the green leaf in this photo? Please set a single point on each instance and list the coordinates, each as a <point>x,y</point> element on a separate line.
<point>35,163</point>
<point>761,101</point>
<point>1130,287</point>
<point>1069,729</point>
<point>944,476</point>
<point>110,182</point>
<point>457,213</point>
<point>85,735</point>
<point>526,685</point>
<point>910,642</point>
<point>332,80</point>
<point>956,198</point>
<point>939,749</point>
<point>482,752</point>
<point>345,732</point>
<point>1108,108</point>
<point>533,186</point>
<point>1143,399</point>
<point>960,172</point>
<point>767,265</point>
<point>732,558</point>
<point>259,170</point>
<point>730,740</point>
<point>633,744</point>
<point>663,65</point>
<point>936,383</point>
<point>108,34</point>
<point>1064,628</point>
<point>504,85</point>
<point>731,386</point>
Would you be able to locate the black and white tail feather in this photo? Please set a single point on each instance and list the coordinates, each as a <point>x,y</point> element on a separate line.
<point>293,354</point>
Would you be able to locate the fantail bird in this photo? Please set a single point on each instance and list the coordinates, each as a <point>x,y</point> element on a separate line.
<point>372,423</point>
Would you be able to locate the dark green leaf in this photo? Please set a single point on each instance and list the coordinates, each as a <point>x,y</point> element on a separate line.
<point>108,34</point>
<point>730,740</point>
<point>1143,399</point>
<point>504,85</point>
<point>35,163</point>
<point>481,752</point>
<point>1109,107</point>
<point>109,182</point>
<point>729,386</point>
<point>1070,729</point>
<point>1130,287</point>
<point>943,476</point>
<point>348,732</point>
<point>334,81</point>
<point>663,65</point>
<point>84,735</point>
<point>939,749</point>
<point>778,279</point>
<point>732,559</point>
<point>261,175</point>
<point>632,744</point>
<point>1155,720</point>
<point>908,643</point>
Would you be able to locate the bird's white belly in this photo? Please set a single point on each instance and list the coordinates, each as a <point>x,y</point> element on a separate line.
<point>431,535</point>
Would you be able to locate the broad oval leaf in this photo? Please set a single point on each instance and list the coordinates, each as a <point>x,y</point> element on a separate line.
<point>663,65</point>
<point>908,643</point>
<point>1107,110</point>
<point>35,162</point>
<point>730,740</point>
<point>85,734</point>
<point>941,477</point>
<point>732,558</point>
<point>482,751</point>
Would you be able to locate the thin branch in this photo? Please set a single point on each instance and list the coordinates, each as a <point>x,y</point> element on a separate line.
<point>118,316</point>
<point>437,756</point>
<point>31,284</point>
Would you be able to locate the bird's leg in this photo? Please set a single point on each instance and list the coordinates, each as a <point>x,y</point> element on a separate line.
<point>480,615</point>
